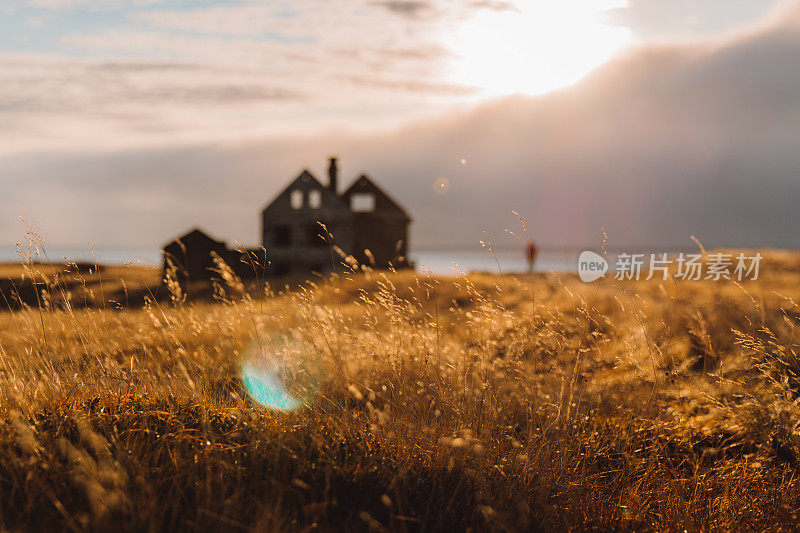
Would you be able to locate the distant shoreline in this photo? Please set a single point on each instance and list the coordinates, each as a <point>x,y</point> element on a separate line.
<point>442,262</point>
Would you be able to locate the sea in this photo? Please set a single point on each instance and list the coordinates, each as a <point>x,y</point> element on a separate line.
<point>439,262</point>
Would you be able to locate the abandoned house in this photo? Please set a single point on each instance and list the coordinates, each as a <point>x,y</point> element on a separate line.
<point>302,228</point>
<point>361,218</point>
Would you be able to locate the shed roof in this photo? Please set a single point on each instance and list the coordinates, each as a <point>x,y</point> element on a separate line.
<point>194,236</point>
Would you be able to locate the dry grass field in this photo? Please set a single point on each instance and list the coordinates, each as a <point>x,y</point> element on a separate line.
<point>400,401</point>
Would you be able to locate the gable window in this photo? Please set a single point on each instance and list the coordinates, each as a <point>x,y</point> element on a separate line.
<point>314,199</point>
<point>296,199</point>
<point>362,203</point>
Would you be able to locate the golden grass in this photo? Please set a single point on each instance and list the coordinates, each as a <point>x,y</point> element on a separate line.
<point>78,285</point>
<point>483,402</point>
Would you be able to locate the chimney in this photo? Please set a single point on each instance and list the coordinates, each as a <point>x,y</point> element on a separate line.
<point>333,176</point>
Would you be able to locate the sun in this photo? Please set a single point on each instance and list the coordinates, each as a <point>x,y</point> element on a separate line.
<point>540,46</point>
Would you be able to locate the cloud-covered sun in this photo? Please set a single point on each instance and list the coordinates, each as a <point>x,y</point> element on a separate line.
<point>539,46</point>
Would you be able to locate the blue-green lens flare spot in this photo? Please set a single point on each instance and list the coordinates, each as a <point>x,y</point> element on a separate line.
<point>280,373</point>
<point>264,387</point>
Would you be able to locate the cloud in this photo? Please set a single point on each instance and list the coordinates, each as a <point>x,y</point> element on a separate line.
<point>242,20</point>
<point>62,5</point>
<point>305,44</point>
<point>300,65</point>
<point>408,8</point>
<point>687,18</point>
<point>411,86</point>
<point>660,144</point>
<point>49,103</point>
<point>92,88</point>
<point>207,87</point>
<point>57,4</point>
<point>414,9</point>
<point>494,5</point>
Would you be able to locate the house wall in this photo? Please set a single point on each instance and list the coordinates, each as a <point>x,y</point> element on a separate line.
<point>383,231</point>
<point>385,236</point>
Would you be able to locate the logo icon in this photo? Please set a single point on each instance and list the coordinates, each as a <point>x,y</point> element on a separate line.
<point>591,266</point>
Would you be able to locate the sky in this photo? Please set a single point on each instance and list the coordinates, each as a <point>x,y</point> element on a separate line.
<point>124,122</point>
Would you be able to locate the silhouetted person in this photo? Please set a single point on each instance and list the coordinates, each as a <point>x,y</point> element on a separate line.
<point>531,252</point>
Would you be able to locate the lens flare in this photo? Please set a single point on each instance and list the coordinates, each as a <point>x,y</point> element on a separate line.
<point>278,377</point>
<point>441,185</point>
<point>264,388</point>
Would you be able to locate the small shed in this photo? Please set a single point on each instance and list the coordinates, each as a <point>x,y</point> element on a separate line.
<point>191,256</point>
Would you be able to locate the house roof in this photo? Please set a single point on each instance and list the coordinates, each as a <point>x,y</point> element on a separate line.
<point>362,184</point>
<point>305,179</point>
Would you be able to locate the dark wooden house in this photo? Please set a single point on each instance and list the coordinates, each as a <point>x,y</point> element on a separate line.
<point>303,227</point>
<point>303,223</point>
